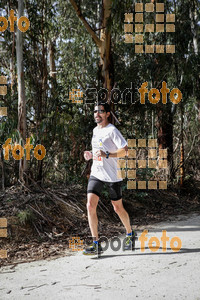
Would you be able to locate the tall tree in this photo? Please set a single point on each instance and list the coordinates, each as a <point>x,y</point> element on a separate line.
<point>103,42</point>
<point>21,90</point>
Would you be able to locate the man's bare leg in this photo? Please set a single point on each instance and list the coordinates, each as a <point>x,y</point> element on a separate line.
<point>122,213</point>
<point>92,202</point>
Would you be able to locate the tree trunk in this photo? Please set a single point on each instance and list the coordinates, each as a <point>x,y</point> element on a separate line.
<point>165,133</point>
<point>182,171</point>
<point>103,43</point>
<point>194,29</point>
<point>52,64</point>
<point>194,25</point>
<point>21,90</point>
<point>2,169</point>
<point>106,64</point>
<point>164,122</point>
<point>12,66</point>
<point>42,108</point>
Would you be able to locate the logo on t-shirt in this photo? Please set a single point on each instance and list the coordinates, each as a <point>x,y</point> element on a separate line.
<point>98,145</point>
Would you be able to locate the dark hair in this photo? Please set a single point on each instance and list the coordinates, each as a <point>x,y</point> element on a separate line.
<point>104,104</point>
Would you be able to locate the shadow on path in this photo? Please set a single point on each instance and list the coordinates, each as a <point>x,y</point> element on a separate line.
<point>182,251</point>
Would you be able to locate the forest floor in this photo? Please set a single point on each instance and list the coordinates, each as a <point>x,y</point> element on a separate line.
<point>41,221</point>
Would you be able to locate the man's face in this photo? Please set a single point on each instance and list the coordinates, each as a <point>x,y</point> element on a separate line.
<point>100,114</point>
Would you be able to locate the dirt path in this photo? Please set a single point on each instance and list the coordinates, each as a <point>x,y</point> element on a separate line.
<point>115,275</point>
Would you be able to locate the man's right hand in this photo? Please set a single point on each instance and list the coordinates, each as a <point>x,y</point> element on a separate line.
<point>88,155</point>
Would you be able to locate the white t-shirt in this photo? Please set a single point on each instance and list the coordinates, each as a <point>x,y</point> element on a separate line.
<point>106,139</point>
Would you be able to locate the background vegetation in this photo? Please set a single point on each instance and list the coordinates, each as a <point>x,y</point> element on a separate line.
<point>80,45</point>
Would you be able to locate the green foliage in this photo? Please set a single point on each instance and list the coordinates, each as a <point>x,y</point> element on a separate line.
<point>65,128</point>
<point>25,216</point>
<point>141,195</point>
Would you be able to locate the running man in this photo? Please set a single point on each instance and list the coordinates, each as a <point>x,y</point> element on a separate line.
<point>107,145</point>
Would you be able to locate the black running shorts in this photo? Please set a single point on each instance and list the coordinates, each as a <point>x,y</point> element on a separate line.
<point>95,186</point>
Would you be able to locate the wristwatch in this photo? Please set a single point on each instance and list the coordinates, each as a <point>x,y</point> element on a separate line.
<point>107,154</point>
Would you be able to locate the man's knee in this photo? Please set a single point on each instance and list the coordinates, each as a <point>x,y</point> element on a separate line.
<point>91,207</point>
<point>92,202</point>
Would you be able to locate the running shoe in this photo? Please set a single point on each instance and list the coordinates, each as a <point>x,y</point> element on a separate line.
<point>129,242</point>
<point>93,249</point>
